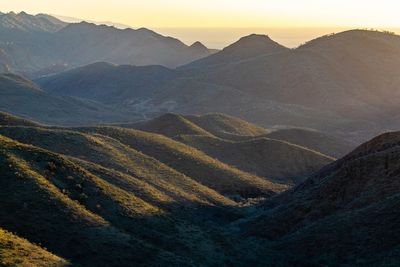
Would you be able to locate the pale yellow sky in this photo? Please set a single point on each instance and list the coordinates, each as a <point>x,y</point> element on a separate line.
<point>218,23</point>
<point>222,13</point>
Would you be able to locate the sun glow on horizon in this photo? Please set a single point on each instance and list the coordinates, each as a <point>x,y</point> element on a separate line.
<point>218,23</point>
<point>221,13</point>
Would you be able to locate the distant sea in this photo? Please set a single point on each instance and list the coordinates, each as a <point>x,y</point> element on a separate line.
<point>221,37</point>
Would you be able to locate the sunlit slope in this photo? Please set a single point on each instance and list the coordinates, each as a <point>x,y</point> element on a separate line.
<point>212,173</point>
<point>80,213</point>
<point>100,153</point>
<point>16,251</point>
<point>226,126</point>
<point>49,200</point>
<point>170,125</point>
<point>10,120</point>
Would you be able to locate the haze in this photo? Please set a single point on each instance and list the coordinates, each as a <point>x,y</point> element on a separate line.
<point>218,23</point>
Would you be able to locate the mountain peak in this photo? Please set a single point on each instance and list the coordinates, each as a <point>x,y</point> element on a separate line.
<point>198,46</point>
<point>246,47</point>
<point>256,42</point>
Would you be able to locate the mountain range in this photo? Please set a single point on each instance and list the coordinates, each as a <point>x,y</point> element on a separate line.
<point>114,195</point>
<point>343,84</point>
<point>36,45</point>
<point>122,147</point>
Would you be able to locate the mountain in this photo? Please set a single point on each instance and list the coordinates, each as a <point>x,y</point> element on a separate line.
<point>108,83</point>
<point>357,194</point>
<point>329,84</point>
<point>22,97</point>
<point>85,43</point>
<point>343,85</point>
<point>246,48</point>
<point>199,47</point>
<point>38,45</point>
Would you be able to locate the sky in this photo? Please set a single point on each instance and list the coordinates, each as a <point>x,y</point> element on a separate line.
<point>208,19</point>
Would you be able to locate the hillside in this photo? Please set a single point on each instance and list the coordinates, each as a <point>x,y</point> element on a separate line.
<point>24,98</point>
<point>248,147</point>
<point>194,163</point>
<point>357,194</point>
<point>273,159</point>
<point>79,211</point>
<point>315,140</point>
<point>170,125</point>
<point>108,83</point>
<point>79,194</point>
<point>7,119</point>
<point>17,251</point>
<point>111,196</point>
<point>225,126</point>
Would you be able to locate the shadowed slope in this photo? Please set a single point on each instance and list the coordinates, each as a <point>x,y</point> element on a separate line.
<point>273,159</point>
<point>108,83</point>
<point>24,98</point>
<point>358,194</point>
<point>314,140</point>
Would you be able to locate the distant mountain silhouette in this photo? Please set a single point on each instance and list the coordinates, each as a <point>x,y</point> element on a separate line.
<point>31,44</point>
<point>246,48</point>
<point>30,23</point>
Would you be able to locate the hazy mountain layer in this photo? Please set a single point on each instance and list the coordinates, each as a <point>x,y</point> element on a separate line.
<point>24,98</point>
<point>343,85</point>
<point>42,44</point>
